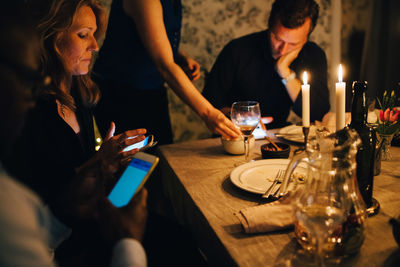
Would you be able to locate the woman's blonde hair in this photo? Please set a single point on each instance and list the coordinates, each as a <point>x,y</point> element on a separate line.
<point>54,17</point>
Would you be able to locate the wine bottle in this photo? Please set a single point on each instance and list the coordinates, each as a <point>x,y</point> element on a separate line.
<point>366,153</point>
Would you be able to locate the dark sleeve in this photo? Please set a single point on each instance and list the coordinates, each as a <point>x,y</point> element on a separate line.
<point>219,81</point>
<point>315,63</point>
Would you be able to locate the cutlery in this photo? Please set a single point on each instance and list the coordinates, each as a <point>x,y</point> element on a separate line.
<point>278,178</point>
<point>287,134</point>
<point>277,190</point>
<point>273,143</point>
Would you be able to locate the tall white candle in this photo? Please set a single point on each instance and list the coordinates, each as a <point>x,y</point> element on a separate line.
<point>305,95</point>
<point>340,100</point>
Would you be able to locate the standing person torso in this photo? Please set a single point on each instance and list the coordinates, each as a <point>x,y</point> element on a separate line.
<point>133,92</point>
<point>123,57</point>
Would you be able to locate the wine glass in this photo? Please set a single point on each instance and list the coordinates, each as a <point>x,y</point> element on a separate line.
<point>246,115</point>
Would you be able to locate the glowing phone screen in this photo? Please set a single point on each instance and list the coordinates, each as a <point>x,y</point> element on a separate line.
<point>128,183</point>
<point>137,145</point>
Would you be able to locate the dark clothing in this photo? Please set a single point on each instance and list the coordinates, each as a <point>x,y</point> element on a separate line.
<point>44,157</point>
<point>133,109</point>
<point>123,57</point>
<point>48,150</point>
<point>245,70</point>
<point>132,88</point>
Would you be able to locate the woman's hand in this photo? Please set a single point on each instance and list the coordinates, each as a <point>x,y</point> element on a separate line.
<point>218,123</point>
<point>111,152</point>
<point>190,66</point>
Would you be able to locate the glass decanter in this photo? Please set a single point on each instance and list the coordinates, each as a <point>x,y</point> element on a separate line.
<point>329,210</point>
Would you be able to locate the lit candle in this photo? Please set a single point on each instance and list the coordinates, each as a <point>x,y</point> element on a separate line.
<point>340,100</point>
<point>305,94</point>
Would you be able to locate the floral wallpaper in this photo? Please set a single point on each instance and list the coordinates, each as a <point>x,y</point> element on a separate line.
<point>208,25</point>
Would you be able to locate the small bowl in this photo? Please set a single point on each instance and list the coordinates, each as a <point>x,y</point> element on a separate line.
<point>236,146</point>
<point>268,151</point>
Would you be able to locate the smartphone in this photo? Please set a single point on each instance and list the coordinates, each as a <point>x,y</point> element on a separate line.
<point>132,179</point>
<point>142,145</point>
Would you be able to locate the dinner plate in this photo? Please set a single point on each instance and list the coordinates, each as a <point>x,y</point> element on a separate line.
<point>294,133</point>
<point>257,176</point>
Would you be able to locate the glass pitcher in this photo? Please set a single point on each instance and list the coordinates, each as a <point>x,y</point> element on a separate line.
<point>329,210</point>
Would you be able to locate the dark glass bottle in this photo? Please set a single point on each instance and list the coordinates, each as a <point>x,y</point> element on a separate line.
<point>366,153</point>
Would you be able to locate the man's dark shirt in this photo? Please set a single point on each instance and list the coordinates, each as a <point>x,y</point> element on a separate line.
<point>245,70</point>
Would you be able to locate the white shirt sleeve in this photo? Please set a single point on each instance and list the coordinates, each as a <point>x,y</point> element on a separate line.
<point>23,239</point>
<point>128,252</point>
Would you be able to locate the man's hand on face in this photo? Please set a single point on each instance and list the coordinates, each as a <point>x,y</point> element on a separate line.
<point>283,63</point>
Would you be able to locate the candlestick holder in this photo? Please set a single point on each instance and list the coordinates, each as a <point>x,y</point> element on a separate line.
<point>306,131</point>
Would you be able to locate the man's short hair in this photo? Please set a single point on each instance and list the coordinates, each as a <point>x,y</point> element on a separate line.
<point>293,13</point>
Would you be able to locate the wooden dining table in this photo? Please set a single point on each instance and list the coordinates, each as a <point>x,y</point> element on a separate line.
<point>196,181</point>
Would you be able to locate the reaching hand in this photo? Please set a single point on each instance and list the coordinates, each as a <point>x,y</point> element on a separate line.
<point>218,123</point>
<point>190,66</point>
<point>283,63</point>
<point>126,222</point>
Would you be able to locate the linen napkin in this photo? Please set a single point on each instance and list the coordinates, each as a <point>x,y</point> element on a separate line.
<point>329,121</point>
<point>269,217</point>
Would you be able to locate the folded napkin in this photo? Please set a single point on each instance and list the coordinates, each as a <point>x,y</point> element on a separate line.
<point>269,217</point>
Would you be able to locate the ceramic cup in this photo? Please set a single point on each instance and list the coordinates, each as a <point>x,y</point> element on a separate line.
<point>236,147</point>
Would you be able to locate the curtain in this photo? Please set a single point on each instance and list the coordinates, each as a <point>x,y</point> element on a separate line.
<point>381,54</point>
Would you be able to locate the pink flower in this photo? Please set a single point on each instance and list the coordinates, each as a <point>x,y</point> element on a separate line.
<point>386,115</point>
<point>394,115</point>
<point>381,115</point>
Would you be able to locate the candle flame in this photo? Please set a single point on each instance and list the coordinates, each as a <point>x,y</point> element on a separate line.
<point>340,73</point>
<point>305,78</point>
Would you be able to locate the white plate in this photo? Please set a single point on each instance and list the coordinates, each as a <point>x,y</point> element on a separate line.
<point>257,176</point>
<point>294,133</point>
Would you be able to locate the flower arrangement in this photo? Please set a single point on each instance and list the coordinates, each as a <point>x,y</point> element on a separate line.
<point>388,120</point>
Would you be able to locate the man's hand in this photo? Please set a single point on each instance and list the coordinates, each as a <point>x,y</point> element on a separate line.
<point>283,63</point>
<point>126,222</point>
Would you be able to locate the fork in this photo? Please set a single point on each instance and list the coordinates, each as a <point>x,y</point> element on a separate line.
<point>278,179</point>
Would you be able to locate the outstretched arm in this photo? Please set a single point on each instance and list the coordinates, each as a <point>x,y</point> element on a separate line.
<point>148,17</point>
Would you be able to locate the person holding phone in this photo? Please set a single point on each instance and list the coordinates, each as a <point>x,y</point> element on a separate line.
<point>140,53</point>
<point>28,230</point>
<point>132,179</point>
<point>57,141</point>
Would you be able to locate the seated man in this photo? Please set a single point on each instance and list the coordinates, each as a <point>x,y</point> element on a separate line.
<point>265,66</point>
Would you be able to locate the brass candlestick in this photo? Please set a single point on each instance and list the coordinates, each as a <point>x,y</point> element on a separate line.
<point>306,131</point>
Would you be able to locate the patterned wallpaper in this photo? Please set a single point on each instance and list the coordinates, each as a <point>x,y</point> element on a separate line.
<point>209,24</point>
